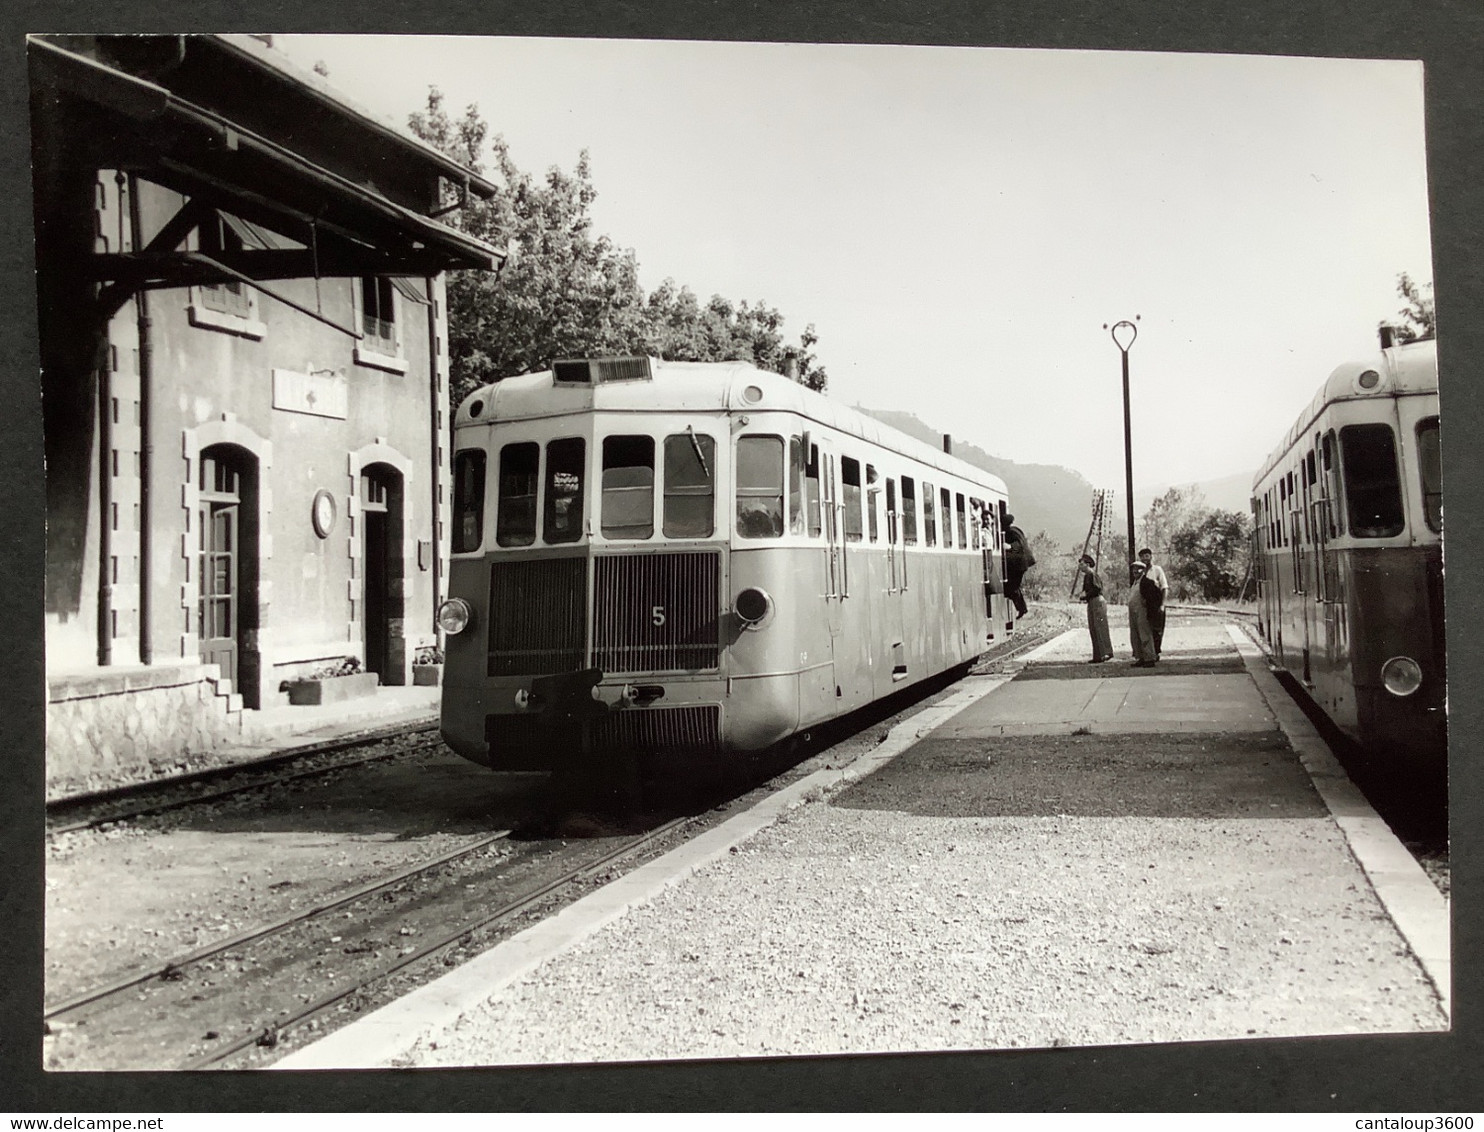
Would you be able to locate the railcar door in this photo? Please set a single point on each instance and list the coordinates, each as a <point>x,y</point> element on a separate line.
<point>891,613</point>
<point>834,546</point>
<point>1326,511</point>
<point>1300,599</point>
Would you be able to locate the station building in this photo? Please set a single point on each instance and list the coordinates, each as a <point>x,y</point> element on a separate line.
<point>244,387</point>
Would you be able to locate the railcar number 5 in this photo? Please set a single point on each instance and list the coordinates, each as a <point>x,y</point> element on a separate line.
<point>657,615</point>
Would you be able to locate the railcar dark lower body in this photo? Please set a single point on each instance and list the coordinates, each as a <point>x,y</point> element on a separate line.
<point>1338,624</point>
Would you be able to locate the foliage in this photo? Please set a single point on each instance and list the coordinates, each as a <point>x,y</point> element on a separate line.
<point>1208,556</point>
<point>1045,581</point>
<point>329,670</point>
<point>1113,566</point>
<point>1173,510</point>
<point>1419,319</point>
<point>565,291</point>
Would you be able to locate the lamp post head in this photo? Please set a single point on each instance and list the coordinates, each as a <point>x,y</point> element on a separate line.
<point>1130,331</point>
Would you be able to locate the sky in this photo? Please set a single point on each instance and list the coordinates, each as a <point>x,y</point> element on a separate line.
<point>961,224</point>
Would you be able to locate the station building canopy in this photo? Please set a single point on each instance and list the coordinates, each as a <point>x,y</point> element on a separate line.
<point>320,186</point>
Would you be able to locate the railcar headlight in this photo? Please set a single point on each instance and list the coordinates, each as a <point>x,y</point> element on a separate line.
<point>1401,675</point>
<point>454,616</point>
<point>753,606</point>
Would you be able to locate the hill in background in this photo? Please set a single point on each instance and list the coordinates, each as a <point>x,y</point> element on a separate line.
<point>1043,497</point>
<point>1230,493</point>
<point>1057,500</point>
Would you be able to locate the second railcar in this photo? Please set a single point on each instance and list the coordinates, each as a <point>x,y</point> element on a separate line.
<point>697,558</point>
<point>1349,527</point>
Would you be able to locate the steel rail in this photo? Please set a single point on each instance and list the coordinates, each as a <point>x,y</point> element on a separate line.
<point>269,1036</point>
<point>118,793</point>
<point>171,969</point>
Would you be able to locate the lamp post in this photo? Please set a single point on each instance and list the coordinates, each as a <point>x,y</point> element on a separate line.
<point>1131,332</point>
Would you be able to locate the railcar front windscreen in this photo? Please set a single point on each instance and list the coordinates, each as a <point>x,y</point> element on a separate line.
<point>468,496</point>
<point>690,488</point>
<point>515,523</point>
<point>1372,485</point>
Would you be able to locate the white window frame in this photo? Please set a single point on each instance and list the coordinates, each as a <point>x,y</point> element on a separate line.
<point>365,355</point>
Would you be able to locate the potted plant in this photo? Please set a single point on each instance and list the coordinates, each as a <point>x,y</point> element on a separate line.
<point>427,666</point>
<point>331,683</point>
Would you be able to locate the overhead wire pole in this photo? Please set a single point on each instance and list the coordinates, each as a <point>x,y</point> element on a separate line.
<point>1128,444</point>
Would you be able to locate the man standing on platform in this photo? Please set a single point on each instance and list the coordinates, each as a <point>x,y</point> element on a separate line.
<point>1155,609</point>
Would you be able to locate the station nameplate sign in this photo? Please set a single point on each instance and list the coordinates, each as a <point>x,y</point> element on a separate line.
<point>319,394</point>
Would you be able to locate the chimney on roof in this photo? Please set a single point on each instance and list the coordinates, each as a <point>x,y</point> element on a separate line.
<point>948,444</point>
<point>791,366</point>
<point>1388,336</point>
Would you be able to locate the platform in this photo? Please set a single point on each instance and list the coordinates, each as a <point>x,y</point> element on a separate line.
<point>1078,855</point>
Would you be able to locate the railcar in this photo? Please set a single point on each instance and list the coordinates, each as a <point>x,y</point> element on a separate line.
<point>1349,537</point>
<point>697,559</point>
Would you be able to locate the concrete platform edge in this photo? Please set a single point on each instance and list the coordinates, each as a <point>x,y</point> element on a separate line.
<point>1416,907</point>
<point>388,1035</point>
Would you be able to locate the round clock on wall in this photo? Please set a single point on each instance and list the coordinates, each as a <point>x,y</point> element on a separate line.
<point>323,513</point>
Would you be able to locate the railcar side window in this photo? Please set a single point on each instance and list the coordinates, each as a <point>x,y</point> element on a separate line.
<point>963,522</point>
<point>873,493</point>
<point>946,498</point>
<point>690,486</point>
<point>909,511</point>
<point>795,485</point>
<point>1283,512</point>
<point>1372,486</point>
<point>515,522</point>
<point>760,486</point>
<point>468,500</point>
<point>893,517</point>
<point>564,468</point>
<point>929,516</point>
<point>628,487</point>
<point>1430,466</point>
<point>850,477</point>
<point>1311,532</point>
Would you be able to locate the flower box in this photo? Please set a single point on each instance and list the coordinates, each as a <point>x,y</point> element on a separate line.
<point>427,675</point>
<point>332,689</point>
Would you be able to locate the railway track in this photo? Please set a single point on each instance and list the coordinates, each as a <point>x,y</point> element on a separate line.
<point>172,970</point>
<point>91,810</point>
<point>247,993</point>
<point>269,1033</point>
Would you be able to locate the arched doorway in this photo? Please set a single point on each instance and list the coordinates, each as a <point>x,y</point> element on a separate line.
<point>382,569</point>
<point>227,564</point>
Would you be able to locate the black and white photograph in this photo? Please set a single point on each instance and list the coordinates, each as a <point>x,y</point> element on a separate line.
<point>596,551</point>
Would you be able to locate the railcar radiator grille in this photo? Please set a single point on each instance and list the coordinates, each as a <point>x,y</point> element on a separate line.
<point>660,729</point>
<point>538,616</point>
<point>656,612</point>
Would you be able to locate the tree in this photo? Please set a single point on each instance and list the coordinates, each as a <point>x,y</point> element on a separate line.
<point>1176,508</point>
<point>565,291</point>
<point>1419,319</point>
<point>1046,580</point>
<point>1208,556</point>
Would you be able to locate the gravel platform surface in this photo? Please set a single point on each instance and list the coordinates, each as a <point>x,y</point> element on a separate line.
<point>988,892</point>
<point>868,930</point>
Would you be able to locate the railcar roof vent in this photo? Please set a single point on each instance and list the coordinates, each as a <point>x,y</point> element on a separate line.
<point>599,371</point>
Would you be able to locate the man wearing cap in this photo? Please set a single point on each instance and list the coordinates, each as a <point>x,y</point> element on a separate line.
<point>1155,605</point>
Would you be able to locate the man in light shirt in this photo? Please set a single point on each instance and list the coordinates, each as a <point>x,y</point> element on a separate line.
<point>1156,611</point>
